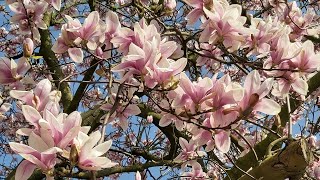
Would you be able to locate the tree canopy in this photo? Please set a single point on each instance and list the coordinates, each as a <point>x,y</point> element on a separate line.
<point>159,89</point>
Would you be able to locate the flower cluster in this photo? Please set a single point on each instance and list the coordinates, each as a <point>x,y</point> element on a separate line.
<point>54,134</point>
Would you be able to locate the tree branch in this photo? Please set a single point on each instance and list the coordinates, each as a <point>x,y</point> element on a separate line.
<point>53,65</point>
<point>290,162</point>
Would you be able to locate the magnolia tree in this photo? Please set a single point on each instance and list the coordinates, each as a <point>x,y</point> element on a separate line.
<point>160,89</point>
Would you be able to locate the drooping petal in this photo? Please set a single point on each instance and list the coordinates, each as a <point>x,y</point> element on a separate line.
<point>21,148</point>
<point>76,54</point>
<point>93,139</point>
<point>26,96</point>
<point>252,82</point>
<point>300,86</point>
<point>102,148</point>
<point>24,170</point>
<point>222,141</point>
<point>267,106</point>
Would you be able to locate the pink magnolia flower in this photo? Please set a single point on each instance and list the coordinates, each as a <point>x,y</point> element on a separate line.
<point>27,47</point>
<point>223,98</point>
<point>199,6</point>
<point>163,72</point>
<point>190,94</point>
<point>262,34</point>
<point>141,34</point>
<point>225,24</point>
<point>204,137</point>
<point>59,131</point>
<point>299,21</point>
<point>112,30</point>
<point>63,129</point>
<point>290,80</point>
<point>122,113</point>
<point>34,11</point>
<point>283,50</point>
<point>189,150</point>
<point>12,72</point>
<point>39,97</point>
<point>89,153</point>
<point>167,119</point>
<point>123,39</point>
<point>37,154</point>
<point>222,140</point>
<point>219,138</point>
<point>307,60</point>
<point>73,34</point>
<point>137,59</point>
<point>195,174</point>
<point>255,93</point>
<point>92,31</point>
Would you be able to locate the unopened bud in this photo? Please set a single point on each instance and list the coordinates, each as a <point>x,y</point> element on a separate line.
<point>277,121</point>
<point>73,157</point>
<point>28,47</point>
<point>170,4</point>
<point>149,119</point>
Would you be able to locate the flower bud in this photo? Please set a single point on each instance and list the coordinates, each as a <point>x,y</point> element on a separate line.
<point>149,119</point>
<point>27,47</point>
<point>170,4</point>
<point>73,157</point>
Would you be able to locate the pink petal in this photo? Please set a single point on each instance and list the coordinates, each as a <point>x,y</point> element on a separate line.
<point>112,22</point>
<point>73,119</point>
<point>43,89</point>
<point>69,137</point>
<point>24,170</point>
<point>31,114</point>
<point>37,143</point>
<point>59,46</point>
<point>252,82</point>
<point>23,66</point>
<point>21,148</point>
<point>179,65</point>
<point>183,143</point>
<point>267,106</point>
<point>222,141</point>
<point>102,148</point>
<point>76,54</point>
<point>56,4</point>
<point>165,120</point>
<point>93,140</point>
<point>132,109</point>
<point>26,96</point>
<point>300,86</point>
<point>24,131</point>
<point>138,176</point>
